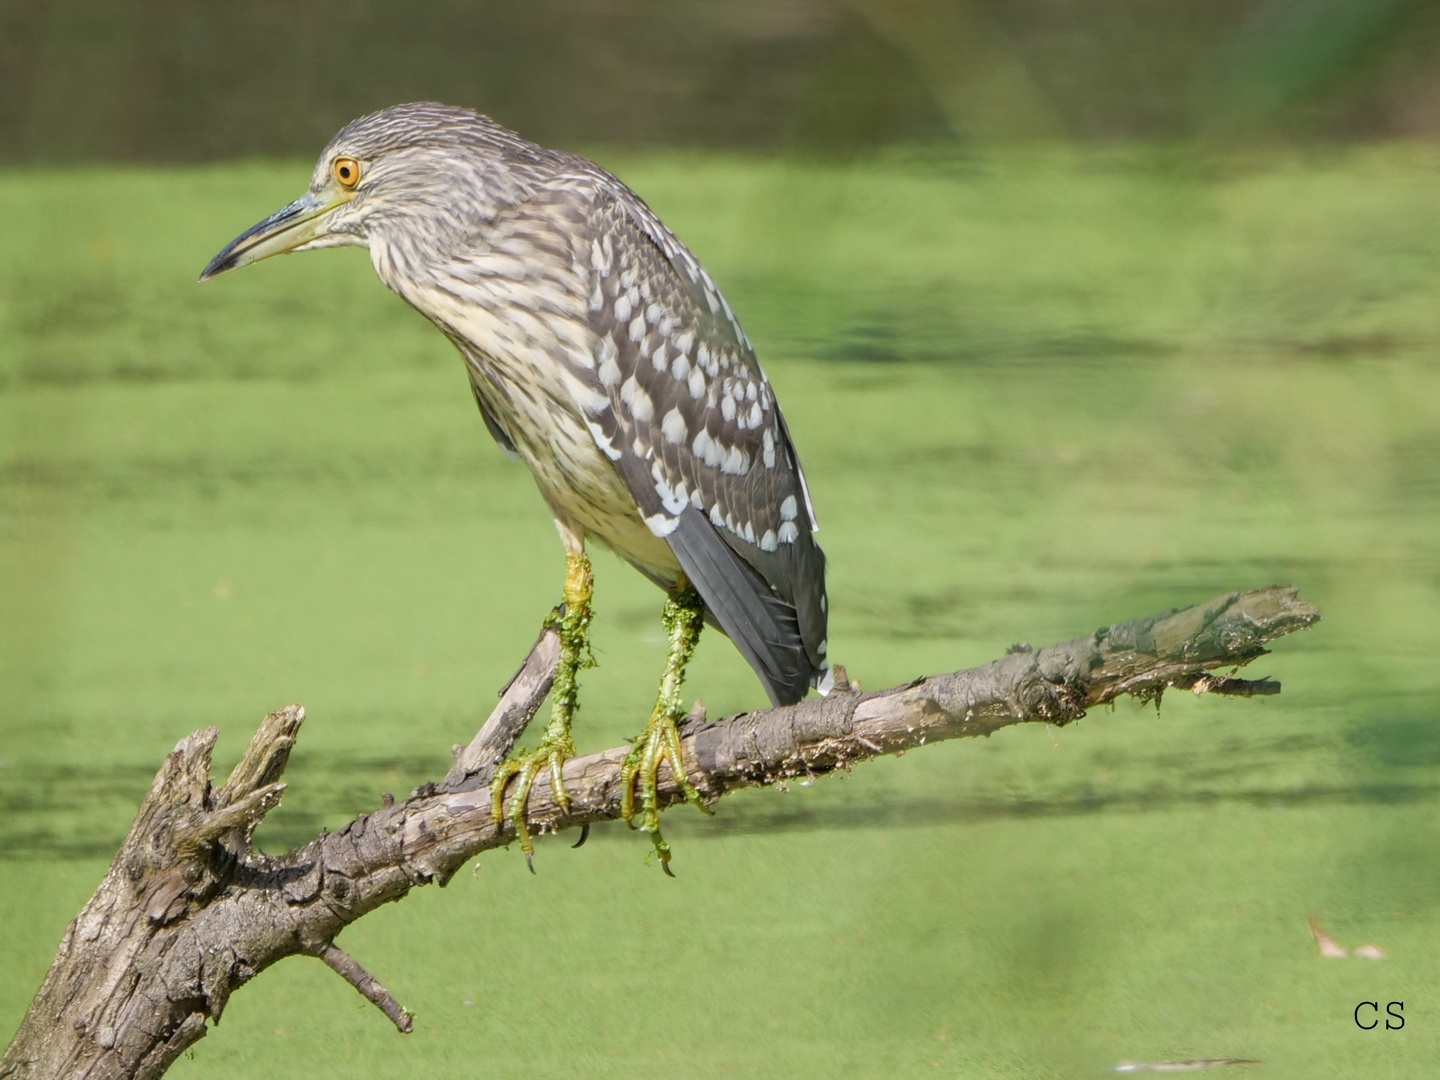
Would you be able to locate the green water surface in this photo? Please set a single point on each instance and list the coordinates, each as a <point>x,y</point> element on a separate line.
<point>1035,392</point>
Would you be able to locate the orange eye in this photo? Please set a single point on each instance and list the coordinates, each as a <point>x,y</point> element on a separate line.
<point>347,171</point>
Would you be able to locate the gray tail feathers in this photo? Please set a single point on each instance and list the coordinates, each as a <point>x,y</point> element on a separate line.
<point>763,626</point>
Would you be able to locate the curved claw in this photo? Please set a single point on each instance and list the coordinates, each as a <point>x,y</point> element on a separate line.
<point>662,851</point>
<point>584,835</point>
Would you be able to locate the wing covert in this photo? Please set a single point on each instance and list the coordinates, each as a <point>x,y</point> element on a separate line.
<point>694,428</point>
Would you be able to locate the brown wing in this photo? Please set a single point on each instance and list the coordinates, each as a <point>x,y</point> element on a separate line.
<point>694,429</point>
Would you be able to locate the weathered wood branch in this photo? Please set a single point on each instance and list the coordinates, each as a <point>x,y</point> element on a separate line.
<point>189,911</point>
<point>475,764</point>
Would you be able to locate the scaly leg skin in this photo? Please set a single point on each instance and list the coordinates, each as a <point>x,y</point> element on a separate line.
<point>683,616</point>
<point>573,622</point>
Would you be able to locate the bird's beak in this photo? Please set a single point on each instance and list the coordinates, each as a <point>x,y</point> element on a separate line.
<point>300,223</point>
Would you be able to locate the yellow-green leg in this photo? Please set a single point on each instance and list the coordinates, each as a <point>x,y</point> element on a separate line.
<point>683,617</point>
<point>573,622</point>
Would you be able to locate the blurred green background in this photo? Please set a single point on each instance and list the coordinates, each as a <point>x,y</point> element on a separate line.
<point>1077,312</point>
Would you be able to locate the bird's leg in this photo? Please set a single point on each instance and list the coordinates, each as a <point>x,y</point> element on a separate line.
<point>572,619</point>
<point>683,616</point>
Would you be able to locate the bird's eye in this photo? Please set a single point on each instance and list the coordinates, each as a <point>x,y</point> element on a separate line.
<point>347,171</point>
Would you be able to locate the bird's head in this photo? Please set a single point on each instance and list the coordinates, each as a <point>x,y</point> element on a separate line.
<point>422,175</point>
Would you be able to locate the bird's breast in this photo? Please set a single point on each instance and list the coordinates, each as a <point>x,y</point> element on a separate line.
<point>530,356</point>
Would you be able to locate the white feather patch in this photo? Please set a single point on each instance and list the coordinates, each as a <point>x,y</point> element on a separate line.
<point>662,525</point>
<point>674,427</point>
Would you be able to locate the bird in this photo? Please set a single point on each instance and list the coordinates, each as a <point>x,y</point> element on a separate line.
<point>603,356</point>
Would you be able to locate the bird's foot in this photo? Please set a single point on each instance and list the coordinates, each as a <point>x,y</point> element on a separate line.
<point>523,768</point>
<point>683,616</point>
<point>572,620</point>
<point>660,742</point>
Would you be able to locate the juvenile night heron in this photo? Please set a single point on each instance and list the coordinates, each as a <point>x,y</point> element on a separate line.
<point>603,356</point>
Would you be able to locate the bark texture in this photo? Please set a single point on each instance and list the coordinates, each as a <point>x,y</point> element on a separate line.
<point>189,911</point>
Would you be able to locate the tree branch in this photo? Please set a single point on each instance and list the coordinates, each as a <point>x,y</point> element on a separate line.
<point>189,911</point>
<point>349,969</point>
<point>475,764</point>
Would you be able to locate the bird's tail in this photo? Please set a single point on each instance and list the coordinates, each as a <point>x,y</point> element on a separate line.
<point>763,626</point>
